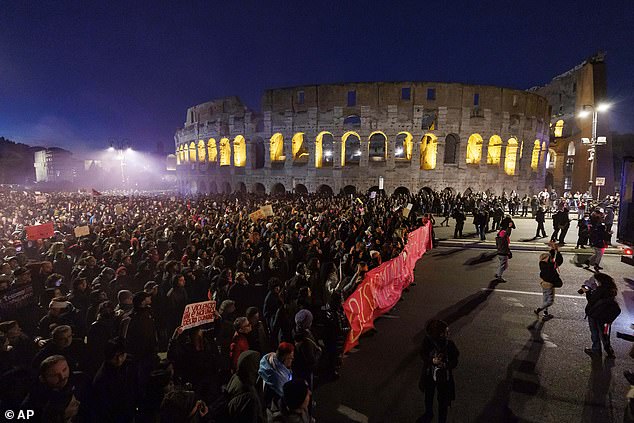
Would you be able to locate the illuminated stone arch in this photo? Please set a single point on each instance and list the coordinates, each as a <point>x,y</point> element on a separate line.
<point>537,148</point>
<point>212,151</point>
<point>474,149</point>
<point>451,148</point>
<point>377,146</point>
<point>239,151</point>
<point>350,149</point>
<point>551,159</point>
<point>192,152</point>
<point>324,149</point>
<point>403,146</point>
<point>428,152</point>
<point>559,128</point>
<point>571,149</point>
<point>494,150</point>
<point>241,187</point>
<point>179,154</point>
<point>510,157</point>
<point>225,152</point>
<point>300,154</point>
<point>201,151</point>
<point>276,152</point>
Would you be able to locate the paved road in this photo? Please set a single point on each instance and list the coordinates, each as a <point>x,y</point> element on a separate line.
<point>507,373</point>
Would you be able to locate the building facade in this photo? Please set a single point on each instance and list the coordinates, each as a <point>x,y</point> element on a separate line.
<point>55,165</point>
<point>568,164</point>
<point>362,136</point>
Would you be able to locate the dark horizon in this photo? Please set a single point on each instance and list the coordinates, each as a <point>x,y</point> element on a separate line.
<point>77,76</point>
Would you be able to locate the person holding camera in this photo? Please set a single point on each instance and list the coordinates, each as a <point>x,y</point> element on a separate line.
<point>601,310</point>
<point>549,274</point>
<point>440,357</point>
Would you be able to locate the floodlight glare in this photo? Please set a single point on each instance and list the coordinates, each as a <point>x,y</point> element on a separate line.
<point>603,107</point>
<point>584,114</point>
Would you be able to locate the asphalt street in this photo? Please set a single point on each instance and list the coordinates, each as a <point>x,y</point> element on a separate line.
<point>512,368</point>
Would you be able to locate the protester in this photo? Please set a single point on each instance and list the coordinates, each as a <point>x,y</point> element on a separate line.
<point>440,357</point>
<point>549,278</point>
<point>502,242</point>
<point>601,311</point>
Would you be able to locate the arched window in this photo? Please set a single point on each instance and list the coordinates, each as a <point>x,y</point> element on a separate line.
<point>551,159</point>
<point>474,149</point>
<point>510,158</point>
<point>201,151</point>
<point>300,154</point>
<point>559,129</point>
<point>428,150</point>
<point>225,152</point>
<point>494,150</point>
<point>451,148</point>
<point>352,121</point>
<point>239,151</point>
<point>535,155</point>
<point>571,148</point>
<point>179,154</point>
<point>212,151</point>
<point>378,147</point>
<point>324,149</point>
<point>192,152</point>
<point>277,148</point>
<point>350,149</point>
<point>403,146</point>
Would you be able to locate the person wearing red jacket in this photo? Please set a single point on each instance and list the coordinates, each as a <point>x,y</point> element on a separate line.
<point>240,342</point>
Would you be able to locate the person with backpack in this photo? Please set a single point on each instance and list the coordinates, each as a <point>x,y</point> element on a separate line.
<point>601,310</point>
<point>549,278</point>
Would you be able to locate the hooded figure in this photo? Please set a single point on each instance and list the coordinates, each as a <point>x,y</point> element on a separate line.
<point>244,403</point>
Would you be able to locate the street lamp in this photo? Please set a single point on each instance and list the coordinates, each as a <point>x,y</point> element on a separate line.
<point>594,141</point>
<point>121,148</point>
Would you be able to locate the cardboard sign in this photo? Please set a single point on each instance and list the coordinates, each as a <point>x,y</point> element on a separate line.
<point>118,209</point>
<point>257,215</point>
<point>600,181</point>
<point>267,210</point>
<point>197,314</point>
<point>172,198</point>
<point>36,232</point>
<point>40,199</point>
<point>407,209</point>
<point>82,231</point>
<point>373,195</point>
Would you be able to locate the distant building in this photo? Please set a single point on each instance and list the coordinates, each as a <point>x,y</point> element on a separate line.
<point>56,165</point>
<point>567,161</point>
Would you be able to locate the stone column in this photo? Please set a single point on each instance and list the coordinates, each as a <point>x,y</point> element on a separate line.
<point>336,154</point>
<point>267,151</point>
<point>415,163</point>
<point>391,148</point>
<point>365,150</point>
<point>250,146</point>
<point>309,145</point>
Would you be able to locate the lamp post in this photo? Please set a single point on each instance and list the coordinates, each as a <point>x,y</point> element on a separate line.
<point>120,148</point>
<point>594,141</point>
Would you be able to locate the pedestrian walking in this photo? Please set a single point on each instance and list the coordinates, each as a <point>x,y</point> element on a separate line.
<point>582,231</point>
<point>440,357</point>
<point>502,242</point>
<point>601,310</point>
<point>549,278</point>
<point>460,217</point>
<point>597,241</point>
<point>540,217</point>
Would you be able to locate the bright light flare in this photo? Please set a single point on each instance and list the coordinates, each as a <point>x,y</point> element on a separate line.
<point>399,151</point>
<point>584,114</point>
<point>111,149</point>
<point>603,107</point>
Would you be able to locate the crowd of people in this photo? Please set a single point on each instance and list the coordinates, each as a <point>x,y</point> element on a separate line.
<point>91,325</point>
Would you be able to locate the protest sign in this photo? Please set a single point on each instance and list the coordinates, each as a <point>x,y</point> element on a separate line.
<point>267,210</point>
<point>407,209</point>
<point>257,215</point>
<point>36,232</point>
<point>82,231</point>
<point>40,199</point>
<point>373,195</point>
<point>197,314</point>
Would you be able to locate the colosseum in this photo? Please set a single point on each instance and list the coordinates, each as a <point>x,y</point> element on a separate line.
<point>403,136</point>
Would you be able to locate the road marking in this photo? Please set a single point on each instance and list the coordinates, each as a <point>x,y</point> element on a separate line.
<point>353,415</point>
<point>529,292</point>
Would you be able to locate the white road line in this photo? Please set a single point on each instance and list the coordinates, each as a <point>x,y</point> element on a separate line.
<point>530,293</point>
<point>353,415</point>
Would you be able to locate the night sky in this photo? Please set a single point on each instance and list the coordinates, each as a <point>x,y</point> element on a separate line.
<point>77,74</point>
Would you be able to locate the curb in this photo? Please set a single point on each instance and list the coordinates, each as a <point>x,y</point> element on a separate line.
<point>522,246</point>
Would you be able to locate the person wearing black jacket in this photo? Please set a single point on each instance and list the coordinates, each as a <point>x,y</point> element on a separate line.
<point>440,357</point>
<point>600,290</point>
<point>540,217</point>
<point>549,278</point>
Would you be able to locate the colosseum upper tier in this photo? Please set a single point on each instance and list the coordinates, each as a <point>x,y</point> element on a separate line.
<point>362,136</point>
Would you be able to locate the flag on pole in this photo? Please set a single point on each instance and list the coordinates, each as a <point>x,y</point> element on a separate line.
<point>95,193</point>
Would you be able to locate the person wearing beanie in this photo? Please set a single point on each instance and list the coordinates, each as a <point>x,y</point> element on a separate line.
<point>295,403</point>
<point>307,352</point>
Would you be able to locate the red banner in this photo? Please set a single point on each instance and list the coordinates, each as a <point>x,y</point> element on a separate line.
<point>382,287</point>
<point>36,232</point>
